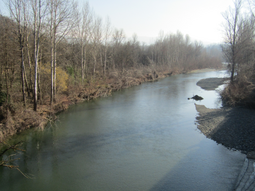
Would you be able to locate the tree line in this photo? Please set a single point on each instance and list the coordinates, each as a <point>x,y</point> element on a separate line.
<point>46,45</point>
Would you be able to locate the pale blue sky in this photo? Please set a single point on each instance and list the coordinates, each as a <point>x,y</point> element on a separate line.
<point>200,19</point>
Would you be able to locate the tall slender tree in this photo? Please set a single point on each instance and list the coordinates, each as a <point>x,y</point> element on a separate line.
<point>96,41</point>
<point>39,8</point>
<point>18,12</point>
<point>63,17</point>
<point>85,35</point>
<point>106,35</point>
<point>233,21</point>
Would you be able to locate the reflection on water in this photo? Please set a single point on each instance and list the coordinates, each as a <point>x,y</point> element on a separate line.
<point>142,138</point>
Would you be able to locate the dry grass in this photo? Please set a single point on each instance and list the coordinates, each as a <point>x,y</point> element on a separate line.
<point>239,93</point>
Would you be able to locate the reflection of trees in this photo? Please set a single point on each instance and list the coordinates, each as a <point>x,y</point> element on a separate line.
<point>9,160</point>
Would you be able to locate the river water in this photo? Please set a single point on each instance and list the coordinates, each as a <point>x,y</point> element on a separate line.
<point>141,138</point>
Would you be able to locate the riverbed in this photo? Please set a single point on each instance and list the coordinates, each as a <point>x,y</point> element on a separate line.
<point>141,138</point>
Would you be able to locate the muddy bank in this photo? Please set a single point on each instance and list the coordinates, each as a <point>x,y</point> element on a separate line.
<point>231,127</point>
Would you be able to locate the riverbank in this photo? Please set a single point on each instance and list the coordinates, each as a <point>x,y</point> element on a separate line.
<point>125,134</point>
<point>24,118</point>
<point>232,127</point>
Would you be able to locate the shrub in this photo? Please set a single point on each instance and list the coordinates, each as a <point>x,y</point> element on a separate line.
<point>239,93</point>
<point>62,77</point>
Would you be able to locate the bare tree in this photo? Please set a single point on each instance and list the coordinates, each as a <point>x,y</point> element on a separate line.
<point>8,57</point>
<point>96,41</point>
<point>28,30</point>
<point>63,17</point>
<point>39,8</point>
<point>107,34</point>
<point>18,13</point>
<point>85,34</point>
<point>135,50</point>
<point>118,37</point>
<point>233,21</point>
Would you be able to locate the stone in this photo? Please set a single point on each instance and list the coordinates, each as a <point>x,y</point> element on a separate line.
<point>196,97</point>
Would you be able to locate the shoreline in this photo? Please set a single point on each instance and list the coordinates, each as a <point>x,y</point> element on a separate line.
<point>27,118</point>
<point>202,70</point>
<point>232,127</point>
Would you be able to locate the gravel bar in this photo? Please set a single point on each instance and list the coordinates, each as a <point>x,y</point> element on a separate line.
<point>233,127</point>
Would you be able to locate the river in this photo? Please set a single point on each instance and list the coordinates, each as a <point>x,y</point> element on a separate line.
<point>141,138</point>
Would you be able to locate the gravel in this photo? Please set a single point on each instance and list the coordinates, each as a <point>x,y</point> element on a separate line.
<point>232,127</point>
<point>211,83</point>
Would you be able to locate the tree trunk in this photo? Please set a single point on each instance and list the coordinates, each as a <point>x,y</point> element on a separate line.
<point>55,72</point>
<point>105,59</point>
<point>23,76</point>
<point>82,61</point>
<point>37,28</point>
<point>30,85</point>
<point>94,66</point>
<point>52,56</point>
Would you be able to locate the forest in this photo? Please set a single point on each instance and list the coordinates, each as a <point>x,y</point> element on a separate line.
<point>53,53</point>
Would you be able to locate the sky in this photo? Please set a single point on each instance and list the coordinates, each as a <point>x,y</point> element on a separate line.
<point>200,19</point>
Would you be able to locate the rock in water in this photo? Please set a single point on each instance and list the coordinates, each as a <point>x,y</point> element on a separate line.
<point>196,97</point>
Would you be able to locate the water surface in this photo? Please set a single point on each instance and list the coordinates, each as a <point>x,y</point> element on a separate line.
<point>141,138</point>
